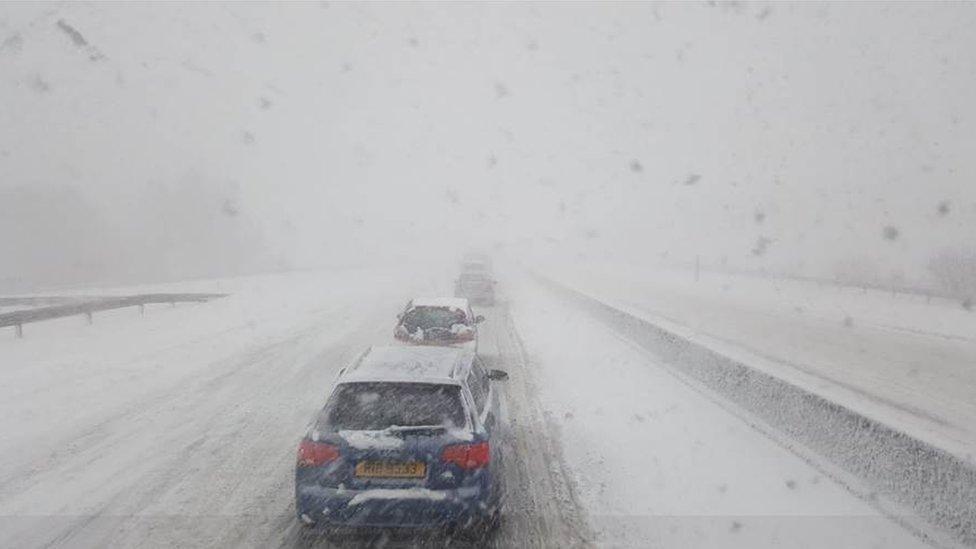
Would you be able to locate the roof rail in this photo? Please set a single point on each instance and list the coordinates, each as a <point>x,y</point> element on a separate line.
<point>359,359</point>
<point>462,359</point>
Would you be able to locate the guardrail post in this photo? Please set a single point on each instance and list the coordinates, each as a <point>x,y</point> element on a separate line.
<point>19,331</point>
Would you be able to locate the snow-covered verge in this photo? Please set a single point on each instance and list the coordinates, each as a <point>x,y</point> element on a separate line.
<point>660,464</point>
<point>939,487</point>
<point>904,360</point>
<point>890,378</point>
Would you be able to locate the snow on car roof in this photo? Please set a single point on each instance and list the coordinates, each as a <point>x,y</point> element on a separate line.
<point>409,363</point>
<point>449,302</point>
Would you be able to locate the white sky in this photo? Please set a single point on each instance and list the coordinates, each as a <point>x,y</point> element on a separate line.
<point>389,124</point>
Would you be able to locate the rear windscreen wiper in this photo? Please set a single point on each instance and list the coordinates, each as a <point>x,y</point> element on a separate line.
<point>413,429</point>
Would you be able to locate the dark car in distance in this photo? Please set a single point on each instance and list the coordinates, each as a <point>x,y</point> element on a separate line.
<point>476,287</point>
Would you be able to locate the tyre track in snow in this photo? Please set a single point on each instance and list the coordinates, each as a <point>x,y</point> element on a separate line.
<point>542,508</point>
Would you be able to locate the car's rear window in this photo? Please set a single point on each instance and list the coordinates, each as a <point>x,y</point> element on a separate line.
<point>373,406</point>
<point>432,317</point>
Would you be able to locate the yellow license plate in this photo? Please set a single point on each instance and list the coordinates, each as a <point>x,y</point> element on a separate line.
<point>388,469</point>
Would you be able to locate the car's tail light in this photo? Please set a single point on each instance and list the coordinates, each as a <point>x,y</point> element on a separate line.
<point>313,454</point>
<point>467,456</point>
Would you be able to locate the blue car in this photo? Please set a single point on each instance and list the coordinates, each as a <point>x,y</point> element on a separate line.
<point>406,440</point>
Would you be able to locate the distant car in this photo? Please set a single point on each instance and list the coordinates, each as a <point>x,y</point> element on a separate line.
<point>472,266</point>
<point>474,263</point>
<point>407,439</point>
<point>478,288</point>
<point>438,321</point>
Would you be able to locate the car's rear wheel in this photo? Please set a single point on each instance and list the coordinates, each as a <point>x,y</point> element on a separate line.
<point>307,535</point>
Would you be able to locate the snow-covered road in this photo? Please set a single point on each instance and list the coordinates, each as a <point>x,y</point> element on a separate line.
<point>178,429</point>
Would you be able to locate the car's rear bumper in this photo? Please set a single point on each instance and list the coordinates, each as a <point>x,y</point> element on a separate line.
<point>477,297</point>
<point>391,508</point>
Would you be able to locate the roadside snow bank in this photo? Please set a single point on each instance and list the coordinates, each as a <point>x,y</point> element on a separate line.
<point>659,464</point>
<point>901,360</point>
<point>937,485</point>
